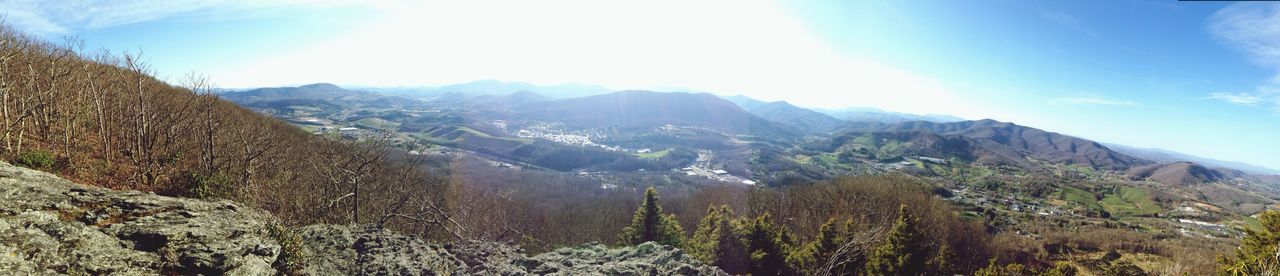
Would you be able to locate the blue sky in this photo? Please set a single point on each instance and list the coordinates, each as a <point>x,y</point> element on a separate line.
<point>1195,77</point>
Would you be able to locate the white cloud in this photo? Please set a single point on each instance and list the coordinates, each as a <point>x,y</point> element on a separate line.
<point>1254,29</point>
<point>63,17</point>
<point>755,48</point>
<point>1236,98</point>
<point>1070,22</point>
<point>1093,100</point>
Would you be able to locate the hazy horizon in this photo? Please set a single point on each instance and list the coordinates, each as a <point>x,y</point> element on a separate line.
<point>1191,77</point>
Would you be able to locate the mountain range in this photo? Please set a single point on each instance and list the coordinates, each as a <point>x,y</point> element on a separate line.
<point>984,141</point>
<point>647,110</point>
<point>495,87</point>
<point>867,114</point>
<point>1001,143</point>
<point>788,114</point>
<point>1166,156</point>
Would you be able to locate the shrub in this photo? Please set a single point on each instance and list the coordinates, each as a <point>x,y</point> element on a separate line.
<point>292,259</point>
<point>36,159</point>
<point>204,185</point>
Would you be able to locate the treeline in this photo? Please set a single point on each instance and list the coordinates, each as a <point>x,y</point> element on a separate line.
<point>100,117</point>
<point>891,226</point>
<point>835,227</point>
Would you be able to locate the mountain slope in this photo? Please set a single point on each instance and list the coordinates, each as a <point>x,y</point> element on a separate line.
<point>1011,144</point>
<point>646,109</point>
<point>863,114</point>
<point>318,91</point>
<point>790,115</point>
<point>1180,174</point>
<point>746,103</point>
<point>497,87</point>
<point>787,114</point>
<point>1165,156</point>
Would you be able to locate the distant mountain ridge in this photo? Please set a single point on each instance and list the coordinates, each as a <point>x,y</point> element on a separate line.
<point>1166,156</point>
<point>497,87</point>
<point>866,114</point>
<point>325,93</point>
<point>1179,174</point>
<point>821,119</point>
<point>648,109</point>
<point>787,114</point>
<point>995,142</point>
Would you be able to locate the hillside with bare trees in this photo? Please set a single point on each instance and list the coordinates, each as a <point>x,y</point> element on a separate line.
<point>101,118</point>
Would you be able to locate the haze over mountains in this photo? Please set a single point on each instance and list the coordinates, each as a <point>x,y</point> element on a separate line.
<point>496,87</point>
<point>985,141</point>
<point>996,142</point>
<point>1166,156</point>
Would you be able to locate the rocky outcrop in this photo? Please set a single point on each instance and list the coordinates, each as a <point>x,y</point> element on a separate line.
<point>595,259</point>
<point>52,226</point>
<point>49,225</point>
<point>334,251</point>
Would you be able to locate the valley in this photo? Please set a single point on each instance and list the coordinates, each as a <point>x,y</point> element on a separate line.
<point>1013,178</point>
<point>1057,138</point>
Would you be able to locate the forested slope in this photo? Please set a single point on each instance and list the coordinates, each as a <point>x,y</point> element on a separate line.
<point>101,118</point>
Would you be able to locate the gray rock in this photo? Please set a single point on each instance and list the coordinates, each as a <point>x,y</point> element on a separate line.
<point>52,226</point>
<point>336,250</point>
<point>387,253</point>
<point>644,259</point>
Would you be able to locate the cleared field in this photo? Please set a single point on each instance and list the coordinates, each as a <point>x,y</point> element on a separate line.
<point>654,154</point>
<point>1086,198</point>
<point>1129,201</point>
<point>376,123</point>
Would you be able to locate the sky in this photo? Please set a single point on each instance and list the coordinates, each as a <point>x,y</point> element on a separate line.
<point>1196,77</point>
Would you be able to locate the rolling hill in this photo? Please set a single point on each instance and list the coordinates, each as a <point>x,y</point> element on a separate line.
<point>318,91</point>
<point>646,109</point>
<point>497,87</point>
<point>826,120</point>
<point>1177,174</point>
<point>1166,156</point>
<point>865,114</point>
<point>808,120</point>
<point>995,142</point>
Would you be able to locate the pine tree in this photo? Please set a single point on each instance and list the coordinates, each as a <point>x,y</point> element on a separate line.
<point>649,224</point>
<point>940,264</point>
<point>901,253</point>
<point>702,244</point>
<point>1259,252</point>
<point>718,241</point>
<point>811,257</point>
<point>765,241</point>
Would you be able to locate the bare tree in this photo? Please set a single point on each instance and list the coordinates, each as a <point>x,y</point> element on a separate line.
<point>348,170</point>
<point>412,200</point>
<point>210,123</point>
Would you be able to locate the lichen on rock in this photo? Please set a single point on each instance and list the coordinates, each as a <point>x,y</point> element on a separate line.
<point>53,226</point>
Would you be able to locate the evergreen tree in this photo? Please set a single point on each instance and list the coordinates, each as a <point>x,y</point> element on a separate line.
<point>718,241</point>
<point>649,224</point>
<point>765,241</point>
<point>901,253</point>
<point>701,245</point>
<point>1258,251</point>
<point>811,257</point>
<point>940,264</point>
